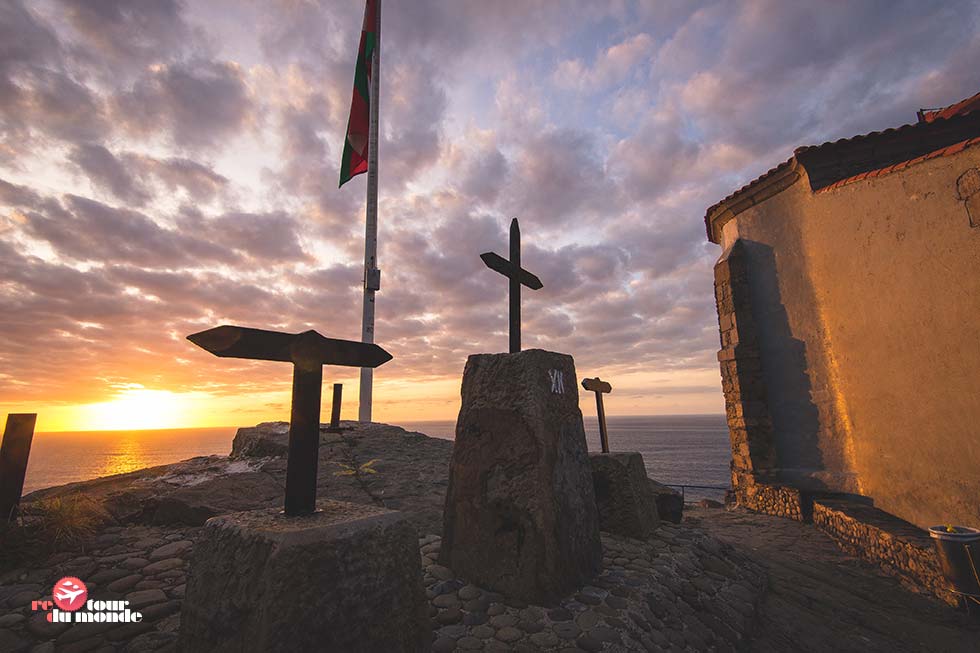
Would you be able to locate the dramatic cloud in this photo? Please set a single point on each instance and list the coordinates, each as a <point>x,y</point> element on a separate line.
<point>610,67</point>
<point>128,32</point>
<point>166,166</point>
<point>197,103</point>
<point>106,171</point>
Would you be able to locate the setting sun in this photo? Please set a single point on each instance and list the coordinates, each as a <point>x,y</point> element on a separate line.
<point>135,408</point>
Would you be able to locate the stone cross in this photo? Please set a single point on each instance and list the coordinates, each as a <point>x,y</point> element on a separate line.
<point>599,387</point>
<point>14,452</point>
<point>518,276</point>
<point>308,352</point>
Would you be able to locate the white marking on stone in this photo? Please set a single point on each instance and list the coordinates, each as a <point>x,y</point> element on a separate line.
<point>557,382</point>
<point>195,476</point>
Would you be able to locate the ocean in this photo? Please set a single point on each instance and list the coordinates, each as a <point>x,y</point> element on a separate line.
<point>677,449</point>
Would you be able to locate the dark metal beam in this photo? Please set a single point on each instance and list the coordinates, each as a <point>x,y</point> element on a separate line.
<point>14,453</point>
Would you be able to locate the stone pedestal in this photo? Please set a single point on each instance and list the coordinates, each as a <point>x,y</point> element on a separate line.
<point>520,512</point>
<point>626,502</point>
<point>347,578</point>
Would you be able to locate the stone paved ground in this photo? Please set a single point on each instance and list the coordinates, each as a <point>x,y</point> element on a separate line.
<point>678,591</point>
<point>821,599</point>
<point>145,565</point>
<point>682,590</point>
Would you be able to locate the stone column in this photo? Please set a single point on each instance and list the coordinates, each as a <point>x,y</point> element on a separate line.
<point>520,512</point>
<point>346,578</point>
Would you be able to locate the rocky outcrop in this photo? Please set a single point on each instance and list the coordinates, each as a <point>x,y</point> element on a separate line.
<point>520,513</point>
<point>265,439</point>
<point>371,463</point>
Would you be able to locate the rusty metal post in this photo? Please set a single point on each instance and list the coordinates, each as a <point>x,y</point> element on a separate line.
<point>599,387</point>
<point>603,434</point>
<point>14,453</point>
<point>304,440</point>
<point>515,288</point>
<point>338,391</point>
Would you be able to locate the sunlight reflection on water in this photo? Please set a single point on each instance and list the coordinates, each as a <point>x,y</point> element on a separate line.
<point>58,458</point>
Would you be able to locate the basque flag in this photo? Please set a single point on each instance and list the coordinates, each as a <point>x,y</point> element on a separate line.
<point>355,159</point>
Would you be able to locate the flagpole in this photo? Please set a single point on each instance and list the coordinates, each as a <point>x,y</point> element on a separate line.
<point>372,275</point>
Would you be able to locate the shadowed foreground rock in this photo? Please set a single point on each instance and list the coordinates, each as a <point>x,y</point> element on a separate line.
<point>626,502</point>
<point>520,513</point>
<point>670,503</point>
<point>344,579</point>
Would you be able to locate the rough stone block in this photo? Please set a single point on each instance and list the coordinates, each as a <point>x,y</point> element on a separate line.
<point>265,439</point>
<point>347,578</point>
<point>624,498</point>
<point>520,512</point>
<point>670,503</point>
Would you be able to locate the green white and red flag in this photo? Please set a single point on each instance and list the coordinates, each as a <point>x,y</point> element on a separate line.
<point>355,159</point>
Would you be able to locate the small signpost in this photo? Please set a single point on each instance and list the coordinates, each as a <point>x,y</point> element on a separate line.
<point>14,452</point>
<point>518,276</point>
<point>308,352</point>
<point>599,387</point>
<point>338,394</point>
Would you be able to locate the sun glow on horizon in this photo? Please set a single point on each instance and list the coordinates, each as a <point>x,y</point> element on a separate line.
<point>134,409</point>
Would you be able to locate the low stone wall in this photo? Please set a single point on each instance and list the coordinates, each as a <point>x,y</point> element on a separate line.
<point>778,500</point>
<point>876,536</point>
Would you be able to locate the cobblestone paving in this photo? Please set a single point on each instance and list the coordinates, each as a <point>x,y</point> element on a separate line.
<point>699,586</point>
<point>821,599</point>
<point>681,590</point>
<point>144,565</point>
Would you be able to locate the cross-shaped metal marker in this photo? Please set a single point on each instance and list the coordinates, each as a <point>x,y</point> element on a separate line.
<point>599,387</point>
<point>308,352</point>
<point>518,276</point>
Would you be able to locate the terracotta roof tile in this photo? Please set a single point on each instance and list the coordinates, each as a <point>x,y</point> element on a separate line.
<point>844,161</point>
<point>960,108</point>
<point>881,172</point>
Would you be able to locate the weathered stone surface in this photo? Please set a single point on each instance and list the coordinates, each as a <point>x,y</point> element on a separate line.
<point>171,550</point>
<point>624,498</point>
<point>867,532</point>
<point>520,513</point>
<point>12,643</point>
<point>143,598</point>
<point>344,579</point>
<point>410,477</point>
<point>670,504</point>
<point>265,439</point>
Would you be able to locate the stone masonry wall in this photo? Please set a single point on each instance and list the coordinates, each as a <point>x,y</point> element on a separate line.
<point>874,535</point>
<point>779,500</point>
<point>749,423</point>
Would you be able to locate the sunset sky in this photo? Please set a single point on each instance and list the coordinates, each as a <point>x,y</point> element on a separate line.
<point>169,166</point>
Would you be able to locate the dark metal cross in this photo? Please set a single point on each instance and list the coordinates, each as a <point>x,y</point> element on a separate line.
<point>599,387</point>
<point>308,352</point>
<point>518,276</point>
